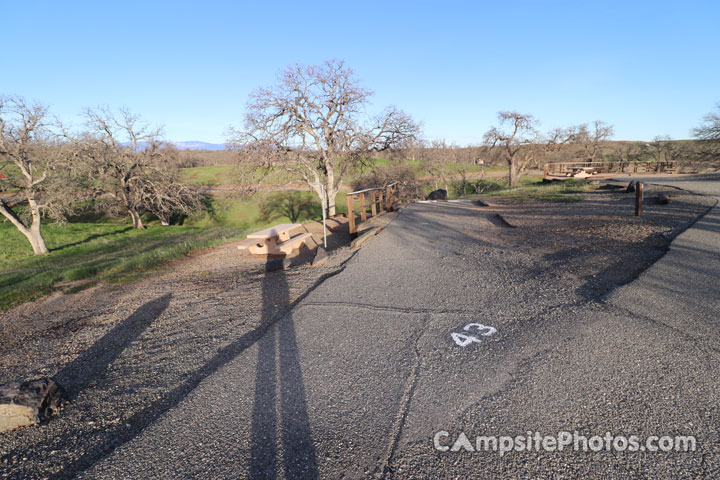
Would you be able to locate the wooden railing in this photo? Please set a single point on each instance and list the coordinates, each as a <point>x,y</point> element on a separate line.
<point>372,202</point>
<point>566,169</point>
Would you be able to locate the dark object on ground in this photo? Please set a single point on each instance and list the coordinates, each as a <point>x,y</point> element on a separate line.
<point>28,403</point>
<point>438,195</point>
<point>631,187</point>
<point>551,180</point>
<point>499,221</point>
<point>321,257</point>
<point>662,199</point>
<point>480,203</point>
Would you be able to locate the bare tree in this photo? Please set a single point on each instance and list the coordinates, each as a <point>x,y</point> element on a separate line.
<point>515,131</point>
<point>437,161</point>
<point>132,169</point>
<point>709,129</point>
<point>662,148</point>
<point>166,197</point>
<point>628,152</point>
<point>35,168</point>
<point>593,139</point>
<point>314,118</point>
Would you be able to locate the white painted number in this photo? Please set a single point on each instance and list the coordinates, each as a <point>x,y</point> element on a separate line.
<point>480,327</point>
<point>465,340</point>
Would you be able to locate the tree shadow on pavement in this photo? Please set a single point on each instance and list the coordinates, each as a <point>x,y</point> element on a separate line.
<point>94,362</point>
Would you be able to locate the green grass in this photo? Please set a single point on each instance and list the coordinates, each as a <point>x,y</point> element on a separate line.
<point>229,174</point>
<point>208,175</point>
<point>233,174</point>
<point>81,251</point>
<point>451,168</point>
<point>245,213</point>
<point>533,189</point>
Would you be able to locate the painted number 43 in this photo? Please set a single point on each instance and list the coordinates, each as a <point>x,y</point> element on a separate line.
<point>477,328</point>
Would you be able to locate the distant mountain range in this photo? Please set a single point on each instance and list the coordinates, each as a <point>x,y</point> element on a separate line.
<point>196,145</point>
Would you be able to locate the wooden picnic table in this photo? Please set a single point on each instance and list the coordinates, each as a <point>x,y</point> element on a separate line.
<point>281,232</point>
<point>275,240</point>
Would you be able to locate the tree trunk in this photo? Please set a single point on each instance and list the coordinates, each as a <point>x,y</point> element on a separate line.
<point>513,172</point>
<point>33,233</point>
<point>36,238</point>
<point>137,222</point>
<point>331,194</point>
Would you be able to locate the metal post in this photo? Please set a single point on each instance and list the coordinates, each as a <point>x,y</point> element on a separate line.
<point>638,198</point>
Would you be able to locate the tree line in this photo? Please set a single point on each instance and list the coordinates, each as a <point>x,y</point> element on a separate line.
<point>117,164</point>
<point>314,123</point>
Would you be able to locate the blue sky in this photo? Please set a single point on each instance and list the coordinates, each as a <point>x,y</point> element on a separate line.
<point>649,68</point>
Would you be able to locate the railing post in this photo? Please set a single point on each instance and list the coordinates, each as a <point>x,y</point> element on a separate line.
<point>638,198</point>
<point>373,208</point>
<point>363,207</point>
<point>351,216</point>
<point>381,203</point>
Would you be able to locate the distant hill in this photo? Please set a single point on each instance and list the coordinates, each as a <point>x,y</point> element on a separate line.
<point>196,145</point>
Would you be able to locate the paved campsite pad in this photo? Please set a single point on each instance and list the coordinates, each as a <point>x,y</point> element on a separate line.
<point>365,369</point>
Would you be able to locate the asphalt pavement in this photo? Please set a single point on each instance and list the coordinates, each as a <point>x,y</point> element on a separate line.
<point>431,334</point>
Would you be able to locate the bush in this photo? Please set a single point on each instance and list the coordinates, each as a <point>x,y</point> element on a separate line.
<point>490,185</point>
<point>292,204</point>
<point>458,188</point>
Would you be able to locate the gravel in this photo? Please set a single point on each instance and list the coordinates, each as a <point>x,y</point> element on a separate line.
<point>131,353</point>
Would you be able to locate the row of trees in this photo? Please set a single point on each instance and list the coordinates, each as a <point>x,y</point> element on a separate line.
<point>117,164</point>
<point>313,123</point>
<point>519,143</point>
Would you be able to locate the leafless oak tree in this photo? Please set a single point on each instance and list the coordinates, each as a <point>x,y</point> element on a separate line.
<point>314,121</point>
<point>515,131</point>
<point>131,167</point>
<point>709,129</point>
<point>35,168</point>
<point>593,139</point>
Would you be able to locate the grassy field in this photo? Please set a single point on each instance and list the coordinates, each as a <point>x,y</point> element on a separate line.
<point>245,213</point>
<point>228,174</point>
<point>207,175</point>
<point>533,189</point>
<point>451,167</point>
<point>89,252</point>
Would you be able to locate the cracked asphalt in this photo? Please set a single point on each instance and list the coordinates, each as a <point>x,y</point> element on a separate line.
<point>357,379</point>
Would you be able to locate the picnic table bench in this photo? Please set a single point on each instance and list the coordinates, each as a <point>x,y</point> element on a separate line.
<point>275,240</point>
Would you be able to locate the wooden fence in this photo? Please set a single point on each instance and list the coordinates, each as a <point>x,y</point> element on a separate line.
<point>372,202</point>
<point>568,169</point>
